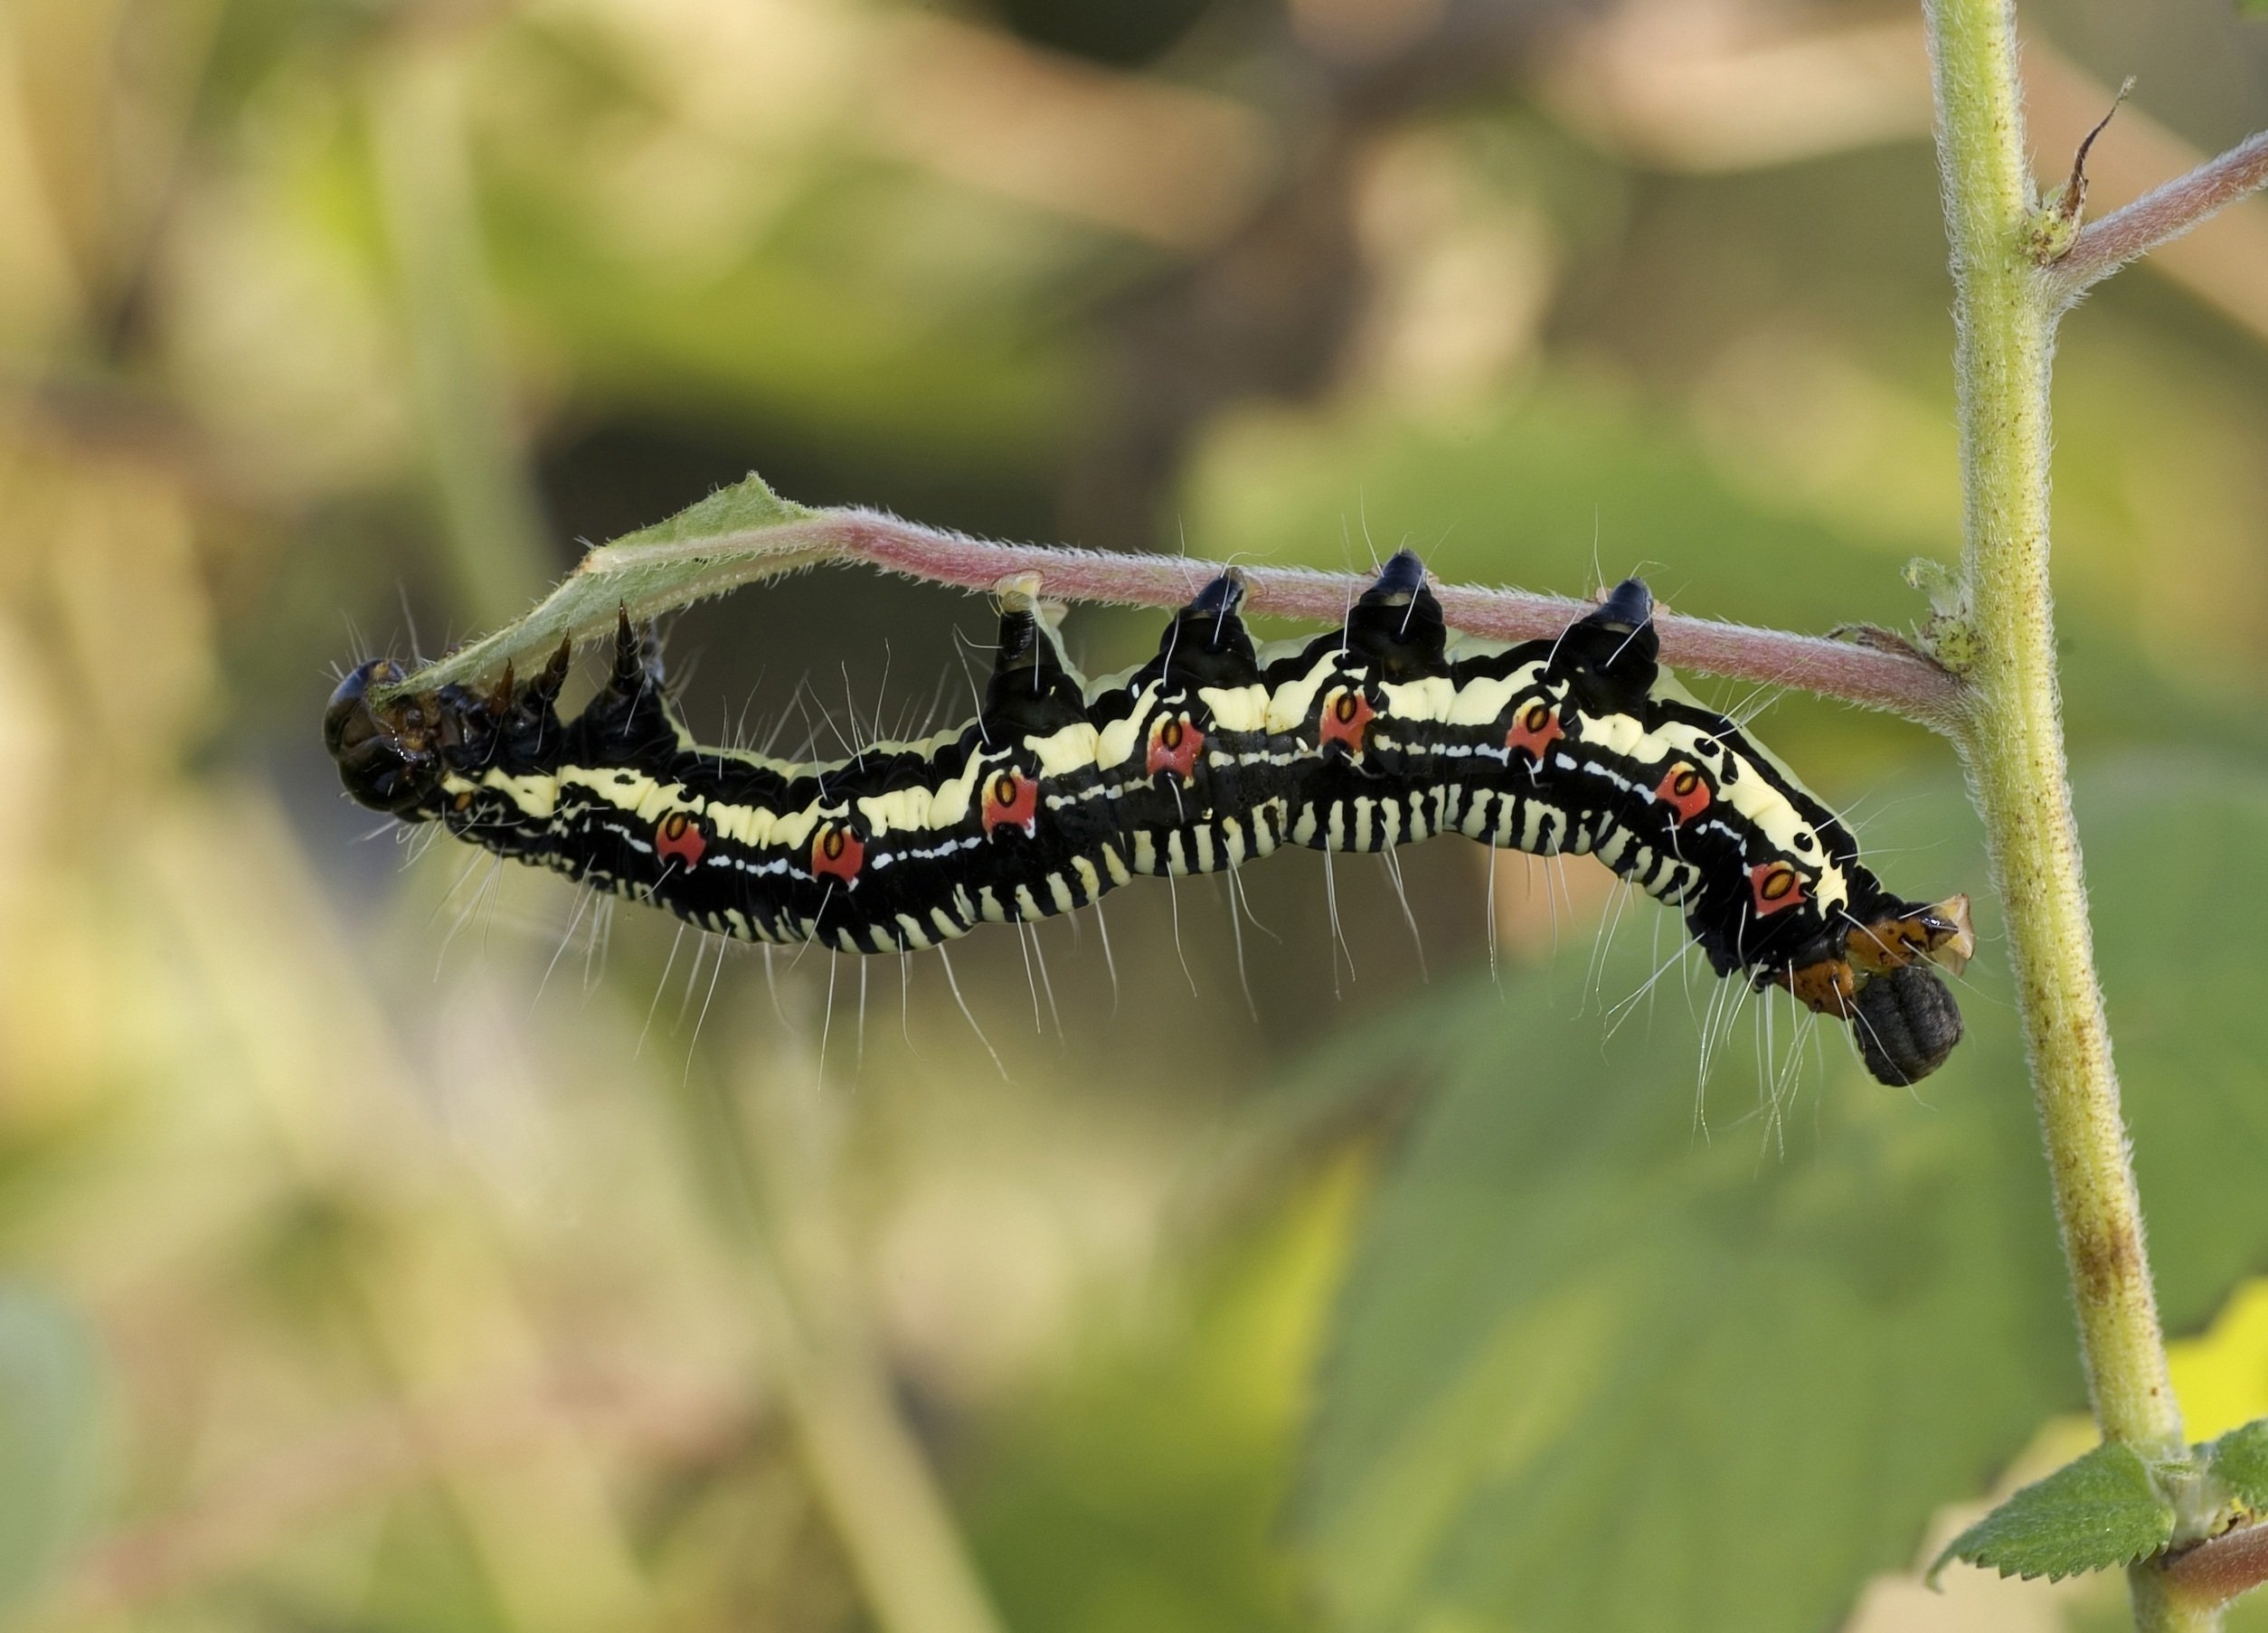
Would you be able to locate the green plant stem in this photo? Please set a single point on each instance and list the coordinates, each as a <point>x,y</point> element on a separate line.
<point>2012,738</point>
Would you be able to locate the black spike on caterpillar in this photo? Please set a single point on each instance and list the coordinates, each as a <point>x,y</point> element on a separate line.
<point>1208,756</point>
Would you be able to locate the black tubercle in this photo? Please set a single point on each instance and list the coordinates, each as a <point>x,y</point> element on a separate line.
<point>629,716</point>
<point>1031,692</point>
<point>512,726</point>
<point>1206,644</point>
<point>1615,651</point>
<point>1630,605</point>
<point>1398,623</point>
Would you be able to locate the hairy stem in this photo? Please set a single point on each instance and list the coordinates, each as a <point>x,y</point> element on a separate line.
<point>2213,1573</point>
<point>2012,738</point>
<point>2164,213</point>
<point>649,578</point>
<point>1901,681</point>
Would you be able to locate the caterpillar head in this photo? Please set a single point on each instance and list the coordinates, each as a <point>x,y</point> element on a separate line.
<point>1880,980</point>
<point>393,754</point>
<point>389,755</point>
<point>1907,1024</point>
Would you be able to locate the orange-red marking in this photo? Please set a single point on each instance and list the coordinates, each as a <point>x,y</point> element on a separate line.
<point>1775,885</point>
<point>1685,791</point>
<point>1011,800</point>
<point>1347,717</point>
<point>1174,746</point>
<point>1535,731</point>
<point>837,852</point>
<point>677,837</point>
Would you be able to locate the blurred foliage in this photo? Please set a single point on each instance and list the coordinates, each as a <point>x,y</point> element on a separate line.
<point>50,1437</point>
<point>1830,1308</point>
<point>376,1262</point>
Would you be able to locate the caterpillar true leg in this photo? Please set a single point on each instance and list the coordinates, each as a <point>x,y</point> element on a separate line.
<point>1204,759</point>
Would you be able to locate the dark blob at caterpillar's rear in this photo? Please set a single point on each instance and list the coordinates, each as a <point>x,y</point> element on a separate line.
<point>1207,757</point>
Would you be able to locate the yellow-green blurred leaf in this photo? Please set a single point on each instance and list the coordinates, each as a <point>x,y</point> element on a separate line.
<point>1606,1362</point>
<point>49,1435</point>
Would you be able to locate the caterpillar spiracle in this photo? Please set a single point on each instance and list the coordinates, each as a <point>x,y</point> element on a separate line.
<point>1207,757</point>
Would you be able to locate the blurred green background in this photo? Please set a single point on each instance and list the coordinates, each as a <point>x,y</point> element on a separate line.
<point>394,1242</point>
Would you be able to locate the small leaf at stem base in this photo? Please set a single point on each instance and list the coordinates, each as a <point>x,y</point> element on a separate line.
<point>2240,1460</point>
<point>2101,1511</point>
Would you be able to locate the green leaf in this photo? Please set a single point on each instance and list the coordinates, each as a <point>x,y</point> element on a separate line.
<point>1144,1490</point>
<point>737,535</point>
<point>1611,1359</point>
<point>2172,907</point>
<point>2101,1511</point>
<point>2240,1457</point>
<point>746,506</point>
<point>50,1436</point>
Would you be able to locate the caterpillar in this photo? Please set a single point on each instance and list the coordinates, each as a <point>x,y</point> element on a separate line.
<point>1209,756</point>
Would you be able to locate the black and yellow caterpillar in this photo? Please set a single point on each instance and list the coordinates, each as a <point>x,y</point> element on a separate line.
<point>1210,755</point>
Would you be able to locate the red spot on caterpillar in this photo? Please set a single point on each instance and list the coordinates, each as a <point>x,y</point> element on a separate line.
<point>1011,800</point>
<point>677,837</point>
<point>1346,719</point>
<point>837,852</point>
<point>1685,791</point>
<point>1174,746</point>
<point>1776,885</point>
<point>1533,730</point>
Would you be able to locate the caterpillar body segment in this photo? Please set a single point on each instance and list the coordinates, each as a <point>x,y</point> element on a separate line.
<point>1211,754</point>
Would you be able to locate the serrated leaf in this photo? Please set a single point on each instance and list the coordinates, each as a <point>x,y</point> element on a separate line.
<point>1598,1366</point>
<point>2099,1511</point>
<point>2240,1457</point>
<point>737,535</point>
